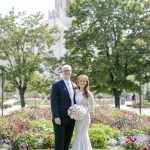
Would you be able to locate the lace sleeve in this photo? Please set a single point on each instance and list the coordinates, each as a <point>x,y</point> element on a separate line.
<point>91,103</point>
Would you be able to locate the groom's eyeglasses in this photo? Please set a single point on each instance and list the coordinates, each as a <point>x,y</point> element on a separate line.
<point>66,70</point>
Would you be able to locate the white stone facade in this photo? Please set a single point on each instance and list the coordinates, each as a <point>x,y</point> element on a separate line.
<point>58,17</point>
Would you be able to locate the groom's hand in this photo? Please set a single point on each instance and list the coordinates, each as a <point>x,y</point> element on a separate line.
<point>57,121</point>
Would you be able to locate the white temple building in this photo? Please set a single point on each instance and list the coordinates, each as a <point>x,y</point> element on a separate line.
<point>58,17</point>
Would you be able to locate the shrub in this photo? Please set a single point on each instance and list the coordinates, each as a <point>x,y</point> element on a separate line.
<point>111,132</point>
<point>41,125</point>
<point>25,141</point>
<point>99,133</point>
<point>32,140</point>
<point>145,104</point>
<point>47,141</point>
<point>98,138</point>
<point>148,95</point>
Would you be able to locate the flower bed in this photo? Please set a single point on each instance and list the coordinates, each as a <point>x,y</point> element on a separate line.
<point>27,129</point>
<point>127,122</point>
<point>32,129</point>
<point>130,124</point>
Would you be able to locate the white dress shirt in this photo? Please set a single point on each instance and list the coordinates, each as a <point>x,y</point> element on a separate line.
<point>70,90</point>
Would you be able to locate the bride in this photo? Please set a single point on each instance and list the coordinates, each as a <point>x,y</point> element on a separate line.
<point>83,97</point>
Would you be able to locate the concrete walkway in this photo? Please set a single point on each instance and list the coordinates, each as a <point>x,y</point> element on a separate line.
<point>10,110</point>
<point>10,102</point>
<point>144,111</point>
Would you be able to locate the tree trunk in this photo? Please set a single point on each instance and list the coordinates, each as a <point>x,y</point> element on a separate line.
<point>140,93</point>
<point>117,98</point>
<point>22,92</point>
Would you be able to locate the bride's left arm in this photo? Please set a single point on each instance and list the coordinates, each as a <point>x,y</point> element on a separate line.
<point>91,103</point>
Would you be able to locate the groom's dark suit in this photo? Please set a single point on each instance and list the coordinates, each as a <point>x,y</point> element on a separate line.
<point>60,102</point>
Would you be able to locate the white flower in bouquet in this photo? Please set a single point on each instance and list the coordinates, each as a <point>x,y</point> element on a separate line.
<point>76,112</point>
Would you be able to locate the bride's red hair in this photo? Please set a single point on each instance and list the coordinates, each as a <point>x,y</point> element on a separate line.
<point>86,89</point>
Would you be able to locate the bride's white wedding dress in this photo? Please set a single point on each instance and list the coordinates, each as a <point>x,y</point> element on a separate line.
<point>82,141</point>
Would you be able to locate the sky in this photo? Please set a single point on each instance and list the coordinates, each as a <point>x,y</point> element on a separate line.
<point>30,6</point>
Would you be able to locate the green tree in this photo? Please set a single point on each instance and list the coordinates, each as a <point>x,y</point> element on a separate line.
<point>25,44</point>
<point>9,87</point>
<point>40,83</point>
<point>142,73</point>
<point>102,42</point>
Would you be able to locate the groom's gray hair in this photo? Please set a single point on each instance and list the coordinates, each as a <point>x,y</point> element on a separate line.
<point>66,66</point>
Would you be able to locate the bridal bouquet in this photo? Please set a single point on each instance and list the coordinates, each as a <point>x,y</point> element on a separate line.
<point>76,112</point>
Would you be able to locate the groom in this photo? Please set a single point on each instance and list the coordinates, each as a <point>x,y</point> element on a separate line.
<point>62,97</point>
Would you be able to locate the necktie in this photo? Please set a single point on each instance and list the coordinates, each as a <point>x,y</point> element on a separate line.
<point>70,91</point>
